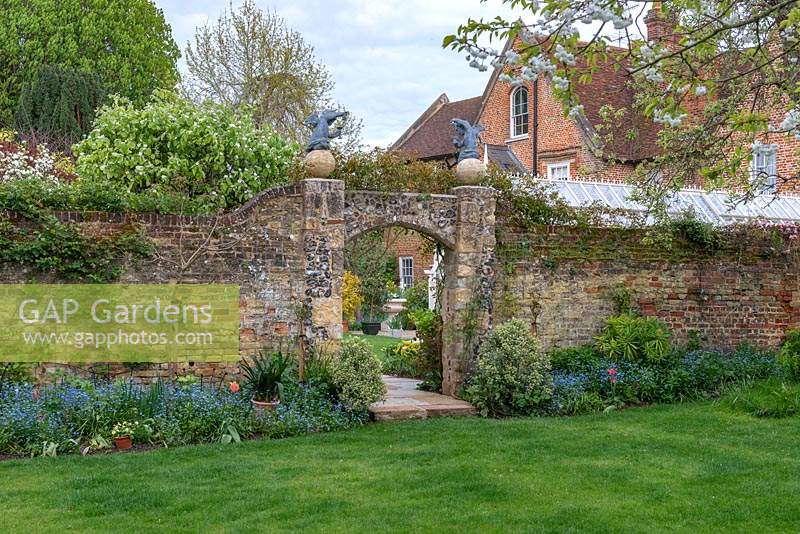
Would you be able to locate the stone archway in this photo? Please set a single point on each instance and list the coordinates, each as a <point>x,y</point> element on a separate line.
<point>463,221</point>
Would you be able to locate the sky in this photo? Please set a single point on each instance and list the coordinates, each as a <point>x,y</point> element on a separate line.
<point>385,56</point>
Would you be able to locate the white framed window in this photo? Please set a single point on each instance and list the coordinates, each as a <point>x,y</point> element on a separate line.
<point>558,170</point>
<point>764,167</point>
<point>519,112</point>
<point>406,271</point>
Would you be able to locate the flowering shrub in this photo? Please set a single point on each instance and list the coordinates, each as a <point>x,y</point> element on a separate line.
<point>74,415</point>
<point>357,375</point>
<point>172,144</point>
<point>511,375</point>
<point>352,299</point>
<point>403,359</point>
<point>18,161</point>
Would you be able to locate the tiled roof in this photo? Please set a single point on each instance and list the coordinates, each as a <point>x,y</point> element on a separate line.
<point>431,135</point>
<point>610,86</point>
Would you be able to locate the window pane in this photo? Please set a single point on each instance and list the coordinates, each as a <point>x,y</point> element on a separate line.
<point>519,112</point>
<point>406,272</point>
<point>558,171</point>
<point>765,166</point>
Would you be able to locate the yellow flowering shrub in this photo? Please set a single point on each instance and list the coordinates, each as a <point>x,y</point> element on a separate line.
<point>352,299</point>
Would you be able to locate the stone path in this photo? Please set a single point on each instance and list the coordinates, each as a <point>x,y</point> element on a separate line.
<point>404,401</point>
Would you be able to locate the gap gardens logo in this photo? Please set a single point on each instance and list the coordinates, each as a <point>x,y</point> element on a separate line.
<point>83,323</point>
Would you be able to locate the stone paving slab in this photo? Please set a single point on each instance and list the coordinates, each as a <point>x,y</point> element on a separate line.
<point>404,401</point>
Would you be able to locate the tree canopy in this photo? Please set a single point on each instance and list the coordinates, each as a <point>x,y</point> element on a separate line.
<point>249,58</point>
<point>720,78</point>
<point>126,43</point>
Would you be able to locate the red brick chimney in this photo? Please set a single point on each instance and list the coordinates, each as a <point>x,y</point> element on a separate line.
<point>659,27</point>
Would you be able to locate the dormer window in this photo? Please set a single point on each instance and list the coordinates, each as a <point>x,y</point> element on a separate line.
<point>519,112</point>
<point>764,167</point>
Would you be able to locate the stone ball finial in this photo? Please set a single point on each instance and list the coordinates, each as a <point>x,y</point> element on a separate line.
<point>319,163</point>
<point>470,171</point>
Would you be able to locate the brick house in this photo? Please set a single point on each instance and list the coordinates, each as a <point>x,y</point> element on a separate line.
<point>413,256</point>
<point>526,129</point>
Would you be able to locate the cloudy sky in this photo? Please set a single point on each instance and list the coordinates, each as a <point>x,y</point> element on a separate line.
<point>385,55</point>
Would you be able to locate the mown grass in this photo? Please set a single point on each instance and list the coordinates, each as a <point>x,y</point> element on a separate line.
<point>378,343</point>
<point>690,468</point>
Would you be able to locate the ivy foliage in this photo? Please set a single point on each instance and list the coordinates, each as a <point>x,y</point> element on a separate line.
<point>62,250</point>
<point>171,145</point>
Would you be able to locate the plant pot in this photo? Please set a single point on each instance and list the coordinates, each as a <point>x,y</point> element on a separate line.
<point>263,406</point>
<point>345,327</point>
<point>371,329</point>
<point>123,443</point>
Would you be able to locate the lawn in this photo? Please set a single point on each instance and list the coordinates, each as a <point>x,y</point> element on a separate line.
<point>378,343</point>
<point>691,468</point>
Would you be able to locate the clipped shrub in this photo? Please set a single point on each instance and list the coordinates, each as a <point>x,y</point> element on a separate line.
<point>635,339</point>
<point>789,355</point>
<point>173,144</point>
<point>511,375</point>
<point>357,375</point>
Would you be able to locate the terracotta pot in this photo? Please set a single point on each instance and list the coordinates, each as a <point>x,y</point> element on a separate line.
<point>262,406</point>
<point>345,327</point>
<point>371,329</point>
<point>123,443</point>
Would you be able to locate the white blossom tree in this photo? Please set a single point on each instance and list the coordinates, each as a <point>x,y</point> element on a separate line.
<point>720,77</point>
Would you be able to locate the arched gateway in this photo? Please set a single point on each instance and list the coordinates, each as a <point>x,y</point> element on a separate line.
<point>462,221</point>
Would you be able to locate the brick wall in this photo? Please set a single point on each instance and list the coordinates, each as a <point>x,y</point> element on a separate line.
<point>560,280</point>
<point>259,247</point>
<point>559,138</point>
<point>401,242</point>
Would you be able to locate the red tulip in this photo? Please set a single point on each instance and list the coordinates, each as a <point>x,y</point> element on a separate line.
<point>234,387</point>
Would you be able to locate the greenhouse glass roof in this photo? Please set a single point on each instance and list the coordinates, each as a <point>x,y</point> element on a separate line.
<point>714,207</point>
